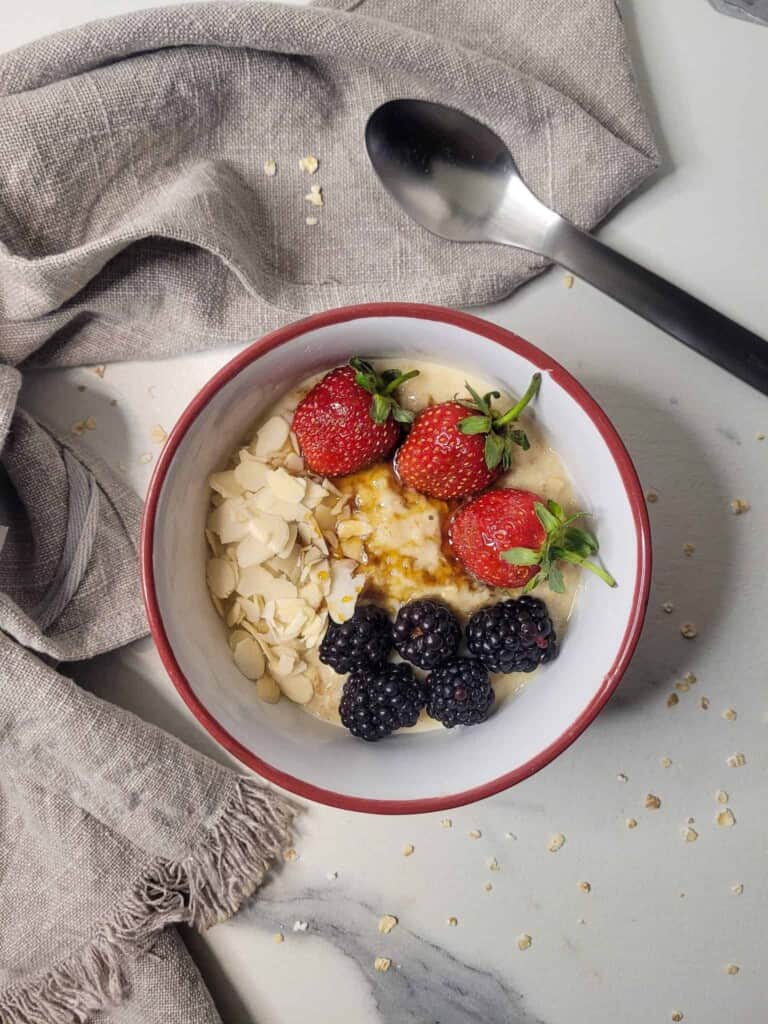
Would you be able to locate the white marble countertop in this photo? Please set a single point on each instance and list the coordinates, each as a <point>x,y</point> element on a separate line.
<point>664,917</point>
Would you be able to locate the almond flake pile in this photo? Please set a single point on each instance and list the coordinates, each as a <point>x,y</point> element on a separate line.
<point>278,569</point>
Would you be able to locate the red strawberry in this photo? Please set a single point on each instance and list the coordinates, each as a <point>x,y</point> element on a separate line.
<point>511,538</point>
<point>350,418</point>
<point>458,448</point>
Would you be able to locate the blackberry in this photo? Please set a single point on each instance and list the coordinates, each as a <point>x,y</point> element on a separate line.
<point>365,639</point>
<point>459,693</point>
<point>426,633</point>
<point>376,700</point>
<point>512,636</point>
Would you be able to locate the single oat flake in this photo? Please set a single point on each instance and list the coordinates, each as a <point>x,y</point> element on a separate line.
<point>736,761</point>
<point>157,434</point>
<point>725,819</point>
<point>730,714</point>
<point>688,549</point>
<point>631,822</point>
<point>690,835</point>
<point>145,457</point>
<point>677,1016</point>
<point>290,855</point>
<point>690,678</point>
<point>493,865</point>
<point>453,922</point>
<point>524,942</point>
<point>652,802</point>
<point>488,887</point>
<point>556,843</point>
<point>310,221</point>
<point>652,497</point>
<point>301,926</point>
<point>568,280</point>
<point>668,607</point>
<point>99,370</point>
<point>475,833</point>
<point>672,699</point>
<point>739,506</point>
<point>278,937</point>
<point>621,777</point>
<point>270,168</point>
<point>382,964</point>
<point>737,889</point>
<point>309,164</point>
<point>721,796</point>
<point>585,886</point>
<point>315,196</point>
<point>408,849</point>
<point>665,762</point>
<point>704,703</point>
<point>731,968</point>
<point>688,630</point>
<point>387,923</point>
<point>446,823</point>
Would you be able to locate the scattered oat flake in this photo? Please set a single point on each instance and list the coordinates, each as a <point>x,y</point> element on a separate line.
<point>736,761</point>
<point>730,714</point>
<point>760,436</point>
<point>113,401</point>
<point>510,835</point>
<point>157,434</point>
<point>737,889</point>
<point>556,843</point>
<point>99,370</point>
<point>446,823</point>
<point>739,506</point>
<point>688,549</point>
<point>408,849</point>
<point>631,822</point>
<point>731,968</point>
<point>690,835</point>
<point>688,630</point>
<point>82,387</point>
<point>278,937</point>
<point>668,607</point>
<point>682,686</point>
<point>453,922</point>
<point>652,497</point>
<point>387,923</point>
<point>568,280</point>
<point>652,802</point>
<point>666,762</point>
<point>309,164</point>
<point>585,886</point>
<point>301,926</point>
<point>145,457</point>
<point>622,777</point>
<point>524,942</point>
<point>310,221</point>
<point>726,819</point>
<point>493,865</point>
<point>290,854</point>
<point>672,699</point>
<point>315,196</point>
<point>475,833</point>
<point>690,678</point>
<point>270,168</point>
<point>382,964</point>
<point>332,876</point>
<point>488,887</point>
<point>704,703</point>
<point>677,1015</point>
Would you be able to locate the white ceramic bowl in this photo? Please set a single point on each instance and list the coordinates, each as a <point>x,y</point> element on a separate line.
<point>408,773</point>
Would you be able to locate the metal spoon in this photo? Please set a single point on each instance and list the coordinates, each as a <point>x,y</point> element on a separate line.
<point>456,178</point>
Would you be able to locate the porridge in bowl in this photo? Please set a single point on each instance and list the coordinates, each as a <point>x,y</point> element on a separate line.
<point>374,541</point>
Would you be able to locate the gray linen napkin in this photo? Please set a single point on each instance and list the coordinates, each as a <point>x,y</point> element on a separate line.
<point>747,10</point>
<point>136,219</point>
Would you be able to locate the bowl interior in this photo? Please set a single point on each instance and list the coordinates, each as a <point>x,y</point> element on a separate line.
<point>283,741</point>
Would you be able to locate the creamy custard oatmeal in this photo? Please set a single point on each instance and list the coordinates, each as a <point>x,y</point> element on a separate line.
<point>385,524</point>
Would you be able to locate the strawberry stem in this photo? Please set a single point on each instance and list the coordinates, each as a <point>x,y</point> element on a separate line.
<point>395,384</point>
<point>514,412</point>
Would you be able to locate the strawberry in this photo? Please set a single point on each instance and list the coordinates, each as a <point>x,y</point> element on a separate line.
<point>511,538</point>
<point>350,418</point>
<point>458,448</point>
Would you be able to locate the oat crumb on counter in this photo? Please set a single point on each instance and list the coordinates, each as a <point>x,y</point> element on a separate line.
<point>666,762</point>
<point>145,457</point>
<point>721,796</point>
<point>493,865</point>
<point>668,607</point>
<point>270,168</point>
<point>631,822</point>
<point>310,221</point>
<point>739,506</point>
<point>309,164</point>
<point>726,819</point>
<point>488,887</point>
<point>278,937</point>
<point>677,1016</point>
<point>690,835</point>
<point>652,497</point>
<point>731,968</point>
<point>568,280</point>
<point>704,703</point>
<point>453,922</point>
<point>672,699</point>
<point>475,833</point>
<point>652,802</point>
<point>510,835</point>
<point>301,926</point>
<point>332,876</point>
<point>446,823</point>
<point>99,370</point>
<point>524,942</point>
<point>760,436</point>
<point>688,549</point>
<point>682,685</point>
<point>290,854</point>
<point>689,630</point>
<point>690,678</point>
<point>556,843</point>
<point>730,714</point>
<point>315,196</point>
<point>737,889</point>
<point>157,434</point>
<point>387,923</point>
<point>408,849</point>
<point>382,964</point>
<point>585,886</point>
<point>621,777</point>
<point>736,761</point>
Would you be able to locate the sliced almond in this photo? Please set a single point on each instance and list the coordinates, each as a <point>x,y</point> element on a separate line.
<point>226,484</point>
<point>252,609</point>
<point>286,487</point>
<point>251,552</point>
<point>230,520</point>
<point>271,437</point>
<point>315,494</point>
<point>221,577</point>
<point>353,548</point>
<point>297,688</point>
<point>265,500</point>
<point>251,475</point>
<point>236,636</point>
<point>353,528</point>
<point>268,690</point>
<point>345,588</point>
<point>235,614</point>
<point>294,463</point>
<point>249,659</point>
<point>290,544</point>
<point>253,580</point>
<point>312,594</point>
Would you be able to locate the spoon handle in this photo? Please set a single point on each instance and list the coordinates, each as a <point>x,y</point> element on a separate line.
<point>697,325</point>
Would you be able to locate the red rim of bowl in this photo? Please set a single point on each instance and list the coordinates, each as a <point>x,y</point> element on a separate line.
<point>543,362</point>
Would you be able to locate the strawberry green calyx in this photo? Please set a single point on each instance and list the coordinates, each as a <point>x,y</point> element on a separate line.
<point>501,435</point>
<point>563,543</point>
<point>382,387</point>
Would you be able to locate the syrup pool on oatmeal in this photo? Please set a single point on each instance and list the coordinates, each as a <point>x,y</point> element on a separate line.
<point>289,550</point>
